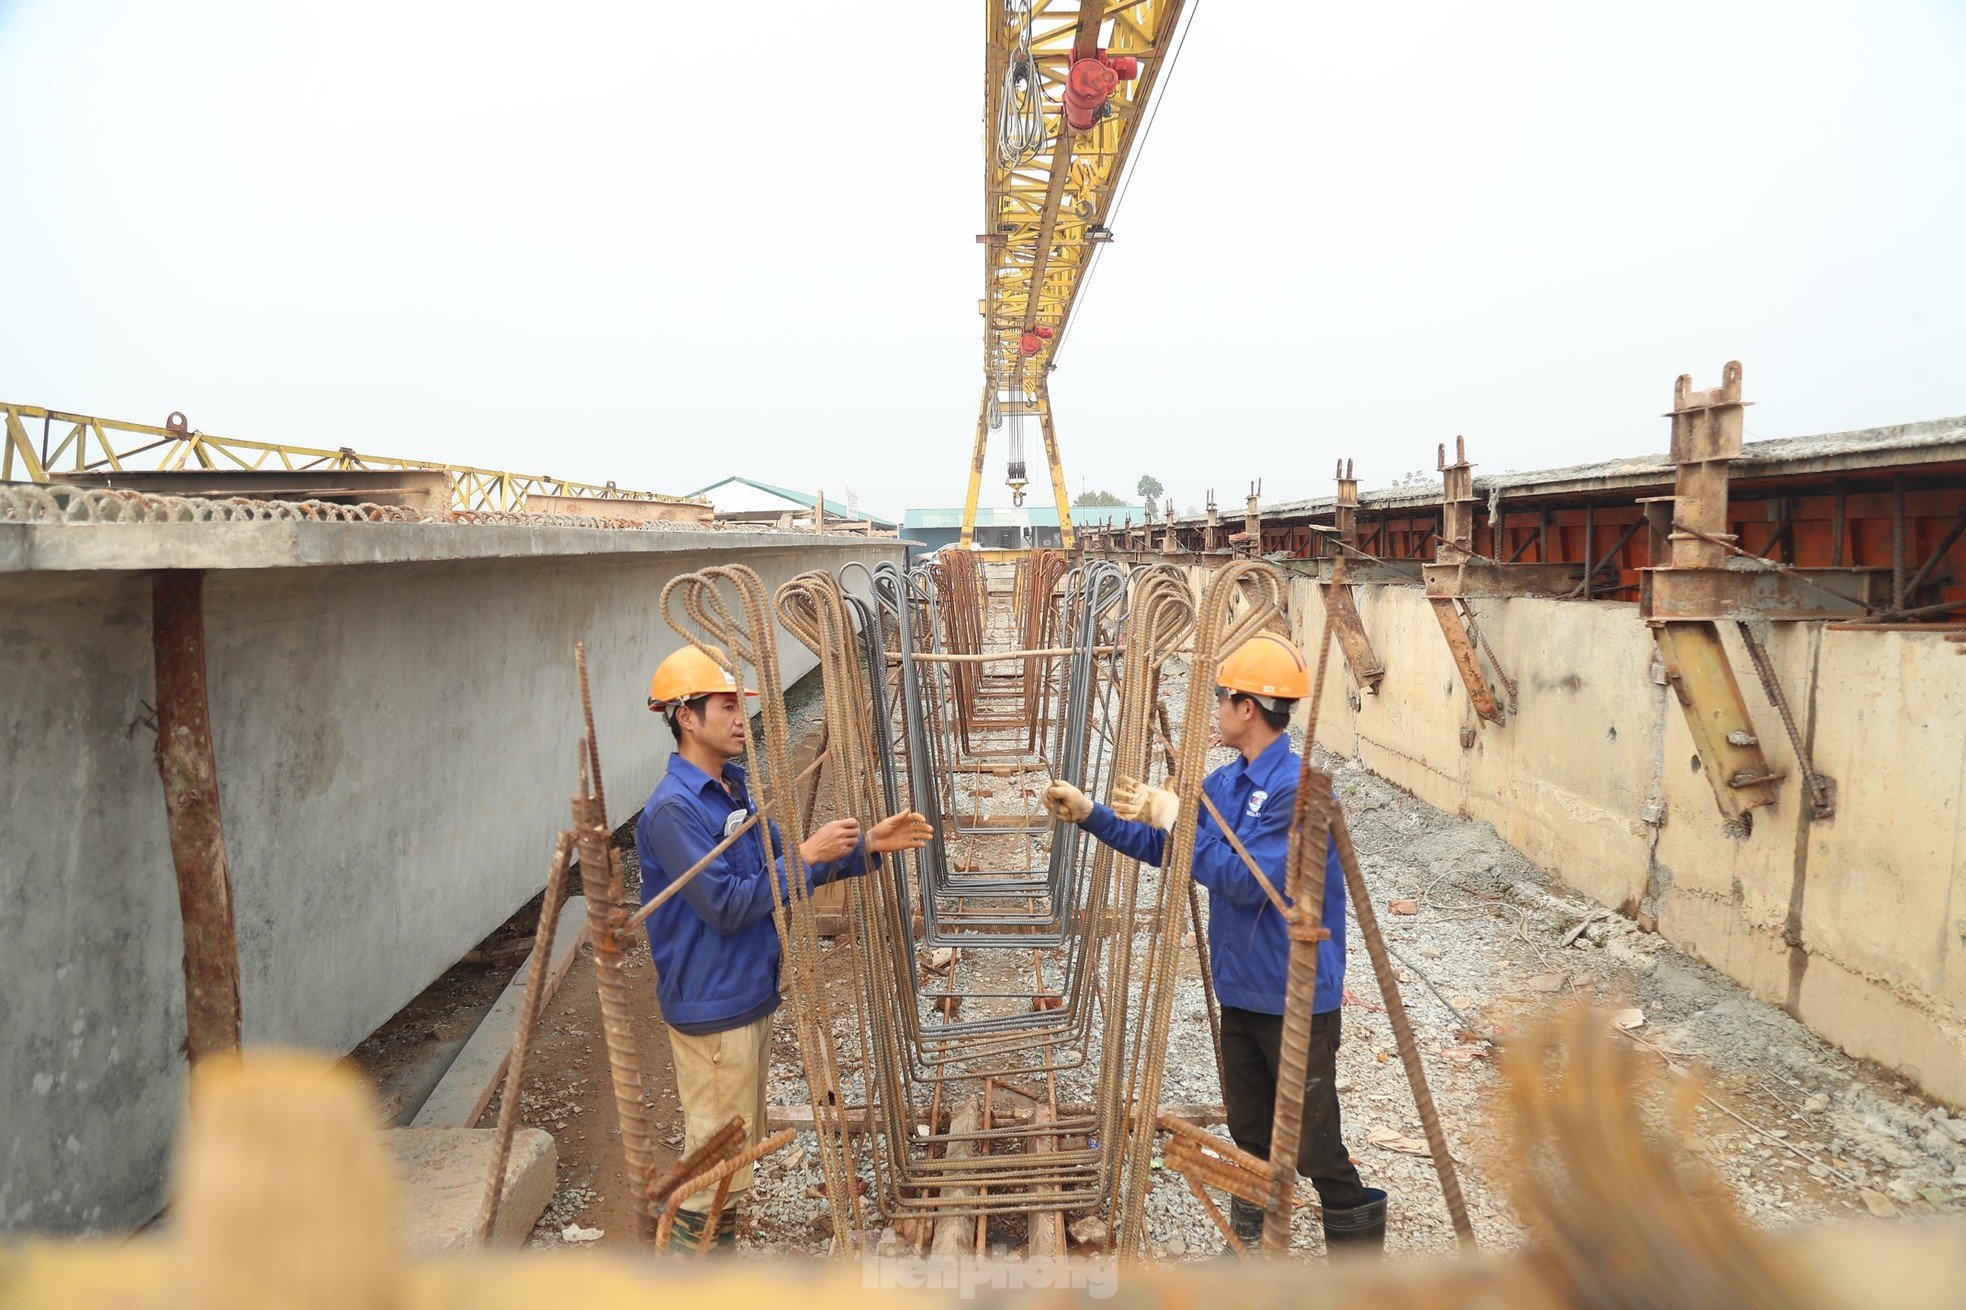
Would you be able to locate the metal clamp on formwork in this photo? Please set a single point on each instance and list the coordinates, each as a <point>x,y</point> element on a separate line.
<point>1446,580</point>
<point>1340,609</point>
<point>1685,598</point>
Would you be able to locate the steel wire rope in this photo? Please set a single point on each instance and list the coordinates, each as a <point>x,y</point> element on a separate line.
<point>1020,98</point>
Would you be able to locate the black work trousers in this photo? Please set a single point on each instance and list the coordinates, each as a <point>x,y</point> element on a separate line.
<point>1252,1046</point>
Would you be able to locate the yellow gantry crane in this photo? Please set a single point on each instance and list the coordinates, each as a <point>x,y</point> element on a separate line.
<point>1066,86</point>
<point>85,444</point>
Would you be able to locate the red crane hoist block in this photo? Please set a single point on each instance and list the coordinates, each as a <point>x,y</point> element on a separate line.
<point>1033,341</point>
<point>1090,84</point>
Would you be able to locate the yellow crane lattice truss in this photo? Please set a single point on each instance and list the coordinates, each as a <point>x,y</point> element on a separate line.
<point>1049,188</point>
<point>86,444</point>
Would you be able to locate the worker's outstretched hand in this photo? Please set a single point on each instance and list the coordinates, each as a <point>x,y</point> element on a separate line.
<point>1133,800</point>
<point>1066,803</point>
<point>834,841</point>
<point>900,832</point>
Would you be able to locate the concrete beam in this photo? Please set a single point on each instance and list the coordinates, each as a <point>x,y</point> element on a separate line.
<point>393,718</point>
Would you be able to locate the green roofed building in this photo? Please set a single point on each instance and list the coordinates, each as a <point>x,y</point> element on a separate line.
<point>998,528</point>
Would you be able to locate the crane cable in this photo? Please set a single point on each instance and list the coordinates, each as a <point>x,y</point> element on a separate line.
<point>1020,104</point>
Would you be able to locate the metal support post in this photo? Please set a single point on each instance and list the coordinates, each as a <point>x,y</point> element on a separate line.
<point>191,805</point>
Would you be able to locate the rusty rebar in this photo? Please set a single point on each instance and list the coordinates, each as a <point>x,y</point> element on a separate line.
<point>1304,864</point>
<point>1244,1182</point>
<point>1181,1129</point>
<point>515,1062</point>
<point>1402,1026</point>
<point>1822,800</point>
<point>587,718</point>
<point>717,1173</point>
<point>1309,839</point>
<point>600,879</point>
<point>695,1162</point>
<point>189,771</point>
<point>1209,1208</point>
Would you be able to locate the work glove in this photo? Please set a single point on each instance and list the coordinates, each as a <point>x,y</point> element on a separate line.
<point>1066,803</point>
<point>908,831</point>
<point>1136,802</point>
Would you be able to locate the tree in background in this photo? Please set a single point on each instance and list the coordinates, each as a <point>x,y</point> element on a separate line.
<point>1149,487</point>
<point>1098,500</point>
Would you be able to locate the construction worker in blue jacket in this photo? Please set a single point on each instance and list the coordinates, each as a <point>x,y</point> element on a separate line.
<point>1256,688</point>
<point>714,945</point>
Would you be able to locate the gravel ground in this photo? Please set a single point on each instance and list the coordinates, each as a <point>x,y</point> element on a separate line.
<point>1819,1135</point>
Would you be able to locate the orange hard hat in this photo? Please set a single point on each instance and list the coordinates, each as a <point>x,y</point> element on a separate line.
<point>1266,666</point>
<point>687,674</point>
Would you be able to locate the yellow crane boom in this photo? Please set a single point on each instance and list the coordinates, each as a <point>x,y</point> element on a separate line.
<point>1065,90</point>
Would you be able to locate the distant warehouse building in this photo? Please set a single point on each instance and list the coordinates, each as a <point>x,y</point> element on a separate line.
<point>1008,529</point>
<point>744,500</point>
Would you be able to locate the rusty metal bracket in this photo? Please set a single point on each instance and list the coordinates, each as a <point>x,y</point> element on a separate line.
<point>1692,588</point>
<point>1340,606</point>
<point>1251,538</point>
<point>1462,648</point>
<point>1453,551</point>
<point>1723,734</point>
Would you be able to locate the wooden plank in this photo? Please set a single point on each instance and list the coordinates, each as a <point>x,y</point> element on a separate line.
<point>1045,1236</point>
<point>466,1088</point>
<point>955,1235</point>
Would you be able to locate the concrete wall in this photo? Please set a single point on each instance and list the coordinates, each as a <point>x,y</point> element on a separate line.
<point>394,718</point>
<point>1856,925</point>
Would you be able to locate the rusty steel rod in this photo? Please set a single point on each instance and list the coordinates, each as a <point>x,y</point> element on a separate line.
<point>1182,1130</point>
<point>1304,864</point>
<point>515,1062</point>
<point>1208,1207</point>
<point>1822,803</point>
<point>713,1147</point>
<point>1774,565</point>
<point>189,771</point>
<point>1164,730</point>
<point>681,880</point>
<point>717,1173</point>
<point>1239,1181</point>
<point>1402,1026</point>
<point>1312,829</point>
<point>600,879</point>
<point>1946,543</point>
<point>1590,575</point>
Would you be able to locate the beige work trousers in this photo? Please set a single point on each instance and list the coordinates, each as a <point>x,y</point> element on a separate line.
<point>718,1076</point>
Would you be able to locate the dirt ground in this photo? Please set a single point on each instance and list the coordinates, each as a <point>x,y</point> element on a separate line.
<point>1796,1131</point>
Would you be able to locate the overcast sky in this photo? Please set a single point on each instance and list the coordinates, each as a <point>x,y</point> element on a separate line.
<point>660,244</point>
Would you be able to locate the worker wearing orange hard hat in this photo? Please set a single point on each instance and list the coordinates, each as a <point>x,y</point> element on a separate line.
<point>713,944</point>
<point>1256,687</point>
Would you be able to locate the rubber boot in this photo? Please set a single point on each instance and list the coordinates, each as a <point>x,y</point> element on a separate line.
<point>1361,1228</point>
<point>1246,1222</point>
<point>686,1234</point>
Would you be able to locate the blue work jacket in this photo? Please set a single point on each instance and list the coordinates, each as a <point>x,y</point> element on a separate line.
<point>714,945</point>
<point>1249,951</point>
